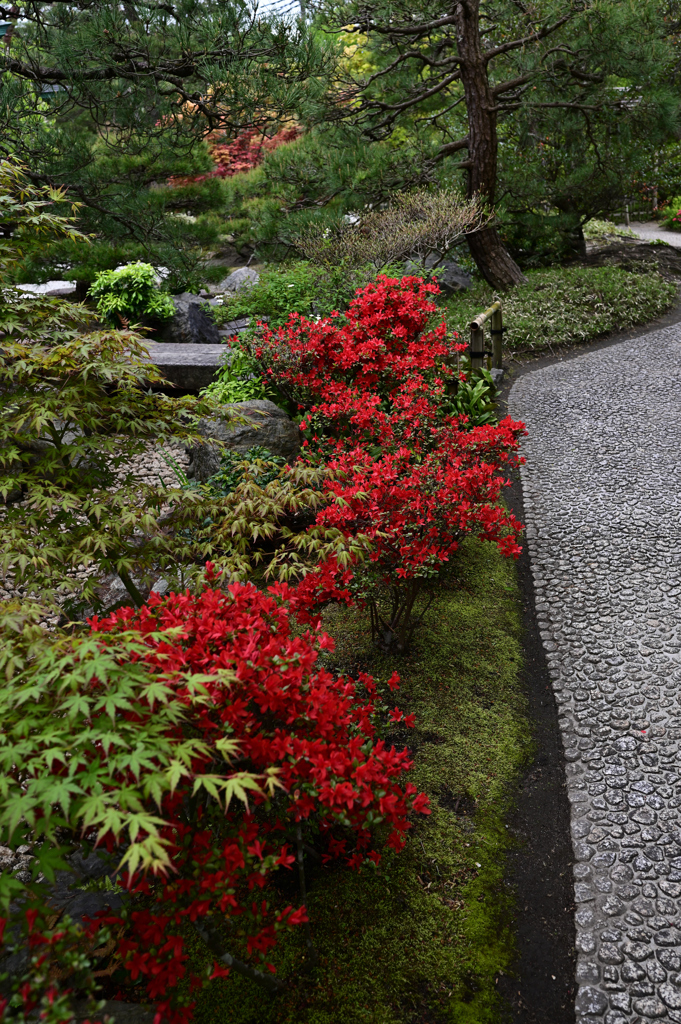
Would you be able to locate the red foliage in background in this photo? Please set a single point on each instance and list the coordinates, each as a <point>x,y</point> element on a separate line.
<point>241,154</point>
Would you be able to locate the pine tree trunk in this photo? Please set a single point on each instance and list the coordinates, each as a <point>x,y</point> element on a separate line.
<point>487,249</point>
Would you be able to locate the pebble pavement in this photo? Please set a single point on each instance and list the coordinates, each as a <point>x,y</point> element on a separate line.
<point>649,230</point>
<point>601,489</point>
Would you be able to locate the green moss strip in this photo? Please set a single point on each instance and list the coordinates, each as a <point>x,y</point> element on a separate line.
<point>423,937</point>
<point>568,305</point>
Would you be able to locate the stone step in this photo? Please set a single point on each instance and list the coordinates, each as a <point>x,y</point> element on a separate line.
<point>191,367</point>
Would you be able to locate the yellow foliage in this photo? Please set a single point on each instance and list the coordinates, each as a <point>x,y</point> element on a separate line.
<point>356,59</point>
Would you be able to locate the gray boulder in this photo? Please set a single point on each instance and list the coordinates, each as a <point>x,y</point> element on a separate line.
<point>190,325</point>
<point>262,423</point>
<point>452,278</point>
<point>239,280</point>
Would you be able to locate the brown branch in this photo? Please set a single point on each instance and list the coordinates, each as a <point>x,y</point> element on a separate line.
<point>411,30</point>
<point>567,106</point>
<point>416,55</point>
<point>452,147</point>
<point>516,44</point>
<point>424,95</point>
<point>512,83</point>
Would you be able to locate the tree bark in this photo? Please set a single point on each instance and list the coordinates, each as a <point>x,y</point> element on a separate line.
<point>487,249</point>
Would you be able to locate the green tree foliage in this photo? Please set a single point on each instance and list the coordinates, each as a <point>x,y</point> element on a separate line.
<point>584,140</point>
<point>579,93</point>
<point>76,410</point>
<point>112,100</point>
<point>84,701</point>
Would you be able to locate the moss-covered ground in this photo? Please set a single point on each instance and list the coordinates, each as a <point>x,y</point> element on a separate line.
<point>422,938</point>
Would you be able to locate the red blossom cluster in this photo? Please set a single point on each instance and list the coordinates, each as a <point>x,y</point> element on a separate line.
<point>293,722</point>
<point>413,479</point>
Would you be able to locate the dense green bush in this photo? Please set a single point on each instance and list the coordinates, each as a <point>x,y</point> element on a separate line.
<point>568,305</point>
<point>131,293</point>
<point>239,380</point>
<point>294,288</point>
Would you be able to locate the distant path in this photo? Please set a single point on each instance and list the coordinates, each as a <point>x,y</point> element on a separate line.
<point>650,229</point>
<point>602,488</point>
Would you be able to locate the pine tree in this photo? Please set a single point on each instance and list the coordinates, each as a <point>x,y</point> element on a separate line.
<point>110,100</point>
<point>461,75</point>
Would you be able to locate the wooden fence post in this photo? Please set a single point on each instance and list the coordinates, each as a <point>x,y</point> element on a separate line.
<point>497,338</point>
<point>477,349</point>
<point>477,346</point>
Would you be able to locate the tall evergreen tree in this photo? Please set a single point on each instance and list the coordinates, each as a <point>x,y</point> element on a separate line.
<point>460,73</point>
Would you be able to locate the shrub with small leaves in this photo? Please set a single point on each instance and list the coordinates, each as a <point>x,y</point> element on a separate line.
<point>130,294</point>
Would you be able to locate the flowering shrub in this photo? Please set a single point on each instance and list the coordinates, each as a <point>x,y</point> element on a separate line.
<point>671,214</point>
<point>370,348</point>
<point>403,473</point>
<point>258,749</point>
<point>415,509</point>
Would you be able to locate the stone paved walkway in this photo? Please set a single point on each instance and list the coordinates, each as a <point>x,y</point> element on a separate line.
<point>650,230</point>
<point>602,489</point>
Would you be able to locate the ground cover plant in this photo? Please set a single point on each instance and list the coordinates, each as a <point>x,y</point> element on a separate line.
<point>568,305</point>
<point>295,287</point>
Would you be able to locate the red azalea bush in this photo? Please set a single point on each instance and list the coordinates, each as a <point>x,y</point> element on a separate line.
<point>309,735</point>
<point>381,374</point>
<point>373,384</point>
<point>416,508</point>
<point>349,372</point>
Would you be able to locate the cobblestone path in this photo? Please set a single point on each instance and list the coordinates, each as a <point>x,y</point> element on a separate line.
<point>602,490</point>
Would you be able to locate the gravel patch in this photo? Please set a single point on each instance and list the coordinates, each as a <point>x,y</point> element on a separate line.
<point>150,467</point>
<point>600,491</point>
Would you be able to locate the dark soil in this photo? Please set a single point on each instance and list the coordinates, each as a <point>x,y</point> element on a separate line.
<point>638,257</point>
<point>542,988</point>
<point>540,868</point>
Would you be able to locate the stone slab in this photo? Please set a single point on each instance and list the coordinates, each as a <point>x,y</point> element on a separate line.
<point>50,289</point>
<point>188,366</point>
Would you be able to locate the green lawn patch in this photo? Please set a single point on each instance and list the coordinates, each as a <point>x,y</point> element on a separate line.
<point>423,937</point>
<point>567,305</point>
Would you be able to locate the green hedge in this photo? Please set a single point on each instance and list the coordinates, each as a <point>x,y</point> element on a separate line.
<point>568,305</point>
